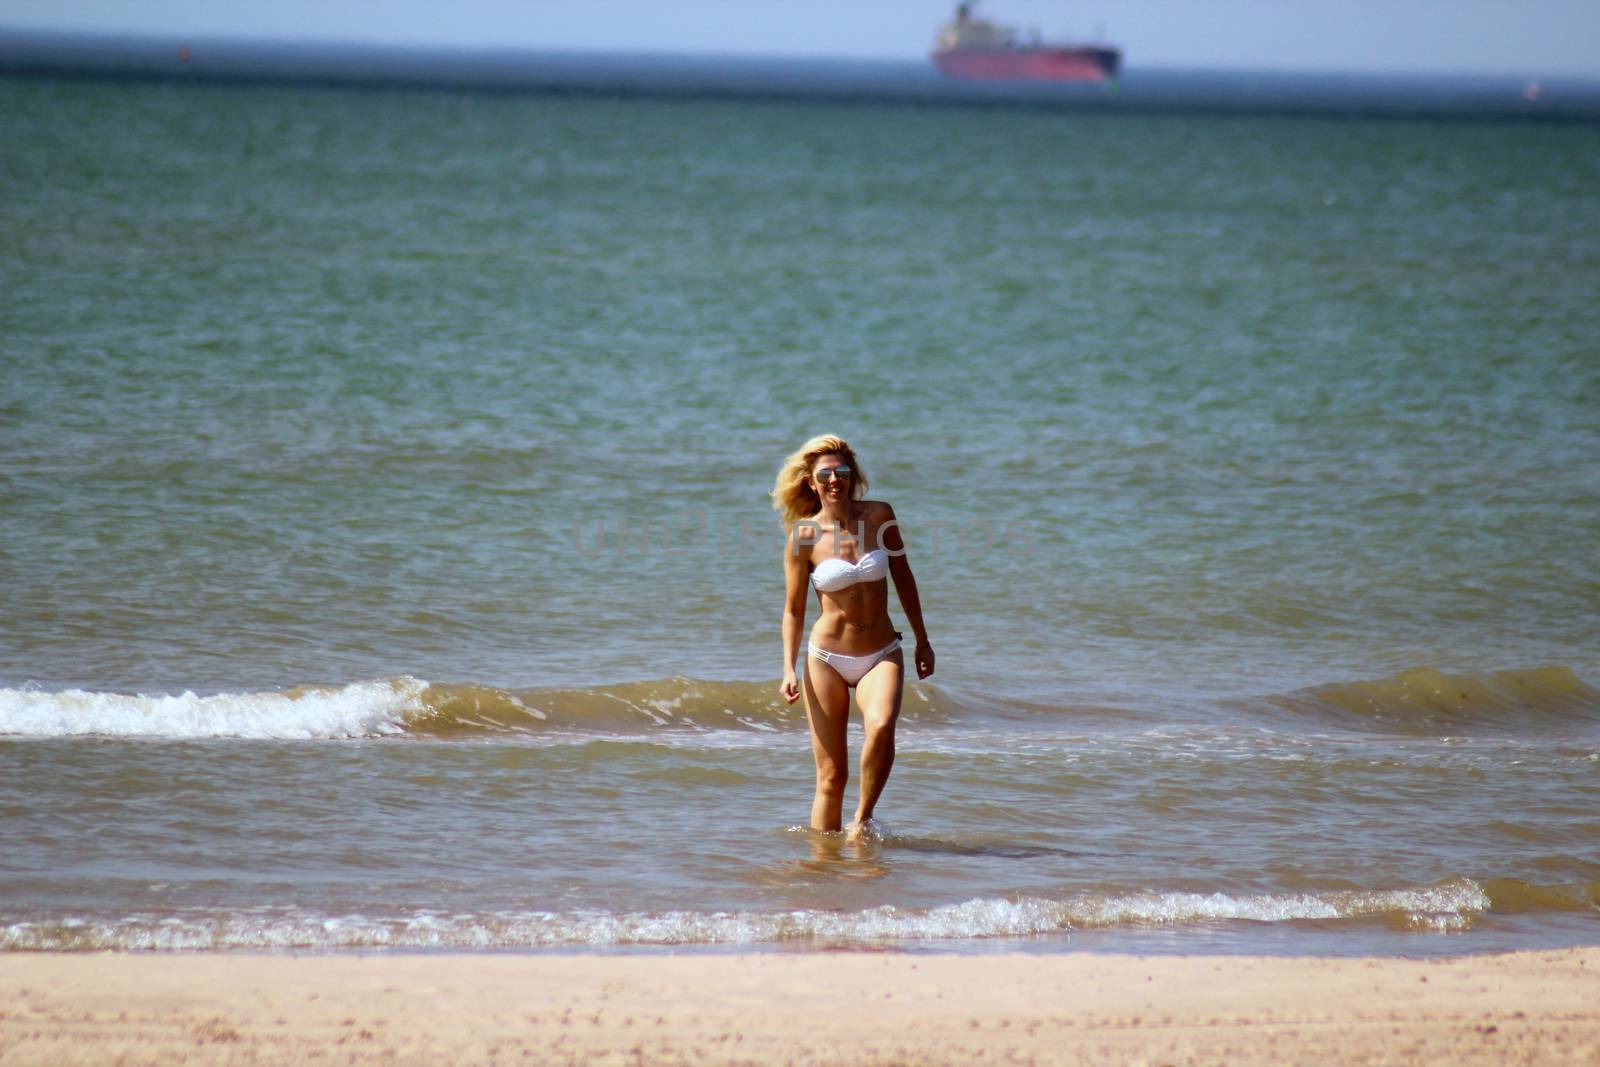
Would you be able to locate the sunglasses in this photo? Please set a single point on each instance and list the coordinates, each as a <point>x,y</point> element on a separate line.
<point>827,474</point>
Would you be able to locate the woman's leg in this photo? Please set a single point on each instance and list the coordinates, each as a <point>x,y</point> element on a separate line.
<point>878,694</point>
<point>828,712</point>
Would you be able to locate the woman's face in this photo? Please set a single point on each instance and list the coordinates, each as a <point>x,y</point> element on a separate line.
<point>831,476</point>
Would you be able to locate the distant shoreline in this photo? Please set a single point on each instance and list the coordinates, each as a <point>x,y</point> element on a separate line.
<point>913,83</point>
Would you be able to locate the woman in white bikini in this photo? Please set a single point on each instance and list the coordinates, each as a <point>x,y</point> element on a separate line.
<point>847,548</point>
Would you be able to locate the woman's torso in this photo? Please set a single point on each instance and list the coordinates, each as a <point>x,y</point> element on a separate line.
<point>855,618</point>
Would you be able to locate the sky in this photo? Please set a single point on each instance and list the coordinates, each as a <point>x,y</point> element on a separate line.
<point>1525,38</point>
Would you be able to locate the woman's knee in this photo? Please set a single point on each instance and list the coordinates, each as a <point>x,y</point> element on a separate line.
<point>880,732</point>
<point>831,779</point>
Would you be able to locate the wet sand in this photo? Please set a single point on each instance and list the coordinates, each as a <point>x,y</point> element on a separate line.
<point>816,1008</point>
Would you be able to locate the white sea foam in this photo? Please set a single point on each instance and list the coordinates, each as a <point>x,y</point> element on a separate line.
<point>1448,907</point>
<point>359,710</point>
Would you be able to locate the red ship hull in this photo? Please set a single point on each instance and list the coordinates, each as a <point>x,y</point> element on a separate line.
<point>1030,64</point>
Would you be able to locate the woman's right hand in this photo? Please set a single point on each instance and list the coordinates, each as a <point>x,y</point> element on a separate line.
<point>790,688</point>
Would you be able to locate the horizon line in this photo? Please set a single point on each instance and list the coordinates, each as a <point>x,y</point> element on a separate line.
<point>459,48</point>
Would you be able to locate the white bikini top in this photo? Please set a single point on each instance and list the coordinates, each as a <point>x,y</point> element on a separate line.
<point>835,574</point>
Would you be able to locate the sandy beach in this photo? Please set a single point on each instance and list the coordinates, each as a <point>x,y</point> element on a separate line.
<point>836,1008</point>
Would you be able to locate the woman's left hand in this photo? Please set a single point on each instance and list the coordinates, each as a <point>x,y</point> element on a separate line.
<point>924,660</point>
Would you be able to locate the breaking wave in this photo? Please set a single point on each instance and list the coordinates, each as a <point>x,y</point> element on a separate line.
<point>361,710</point>
<point>1428,701</point>
<point>1448,906</point>
<point>406,705</point>
<point>1421,701</point>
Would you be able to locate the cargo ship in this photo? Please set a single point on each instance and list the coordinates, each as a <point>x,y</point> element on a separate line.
<point>972,47</point>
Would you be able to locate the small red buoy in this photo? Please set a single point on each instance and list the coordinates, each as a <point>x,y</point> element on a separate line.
<point>183,53</point>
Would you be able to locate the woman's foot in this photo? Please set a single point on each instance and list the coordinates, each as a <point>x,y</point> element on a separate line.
<point>861,830</point>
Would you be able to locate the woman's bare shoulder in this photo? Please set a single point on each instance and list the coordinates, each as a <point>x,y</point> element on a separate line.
<point>801,536</point>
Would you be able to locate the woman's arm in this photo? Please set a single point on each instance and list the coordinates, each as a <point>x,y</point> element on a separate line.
<point>796,568</point>
<point>905,584</point>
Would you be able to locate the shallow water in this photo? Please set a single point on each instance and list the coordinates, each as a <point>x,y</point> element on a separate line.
<point>407,453</point>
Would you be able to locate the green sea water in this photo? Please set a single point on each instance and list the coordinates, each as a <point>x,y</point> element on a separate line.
<point>434,410</point>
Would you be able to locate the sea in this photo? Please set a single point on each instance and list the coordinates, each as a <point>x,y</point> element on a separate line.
<point>387,562</point>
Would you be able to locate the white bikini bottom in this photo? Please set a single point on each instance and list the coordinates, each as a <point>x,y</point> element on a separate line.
<point>852,668</point>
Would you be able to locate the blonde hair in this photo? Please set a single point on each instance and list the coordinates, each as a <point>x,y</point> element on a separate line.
<point>793,496</point>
